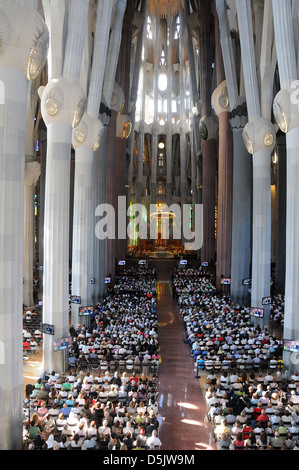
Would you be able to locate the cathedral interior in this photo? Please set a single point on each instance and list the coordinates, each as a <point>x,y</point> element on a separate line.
<point>155,132</point>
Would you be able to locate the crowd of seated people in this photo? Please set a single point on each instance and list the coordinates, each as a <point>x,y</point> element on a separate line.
<point>92,411</point>
<point>220,334</point>
<point>187,280</point>
<point>108,398</point>
<point>254,411</point>
<point>123,332</point>
<point>251,402</point>
<point>32,335</point>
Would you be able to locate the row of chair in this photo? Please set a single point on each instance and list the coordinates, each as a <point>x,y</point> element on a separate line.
<point>216,366</point>
<point>96,365</point>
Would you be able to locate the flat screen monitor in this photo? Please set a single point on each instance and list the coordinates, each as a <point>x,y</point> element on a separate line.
<point>291,345</point>
<point>257,312</point>
<point>142,262</point>
<point>183,262</point>
<point>85,311</point>
<point>246,282</point>
<point>62,344</point>
<point>107,280</point>
<point>267,300</point>
<point>205,264</point>
<point>121,263</point>
<point>75,299</point>
<point>47,329</point>
<point>225,281</point>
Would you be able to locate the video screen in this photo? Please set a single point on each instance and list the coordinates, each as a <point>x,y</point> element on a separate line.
<point>47,329</point>
<point>63,343</point>
<point>225,281</point>
<point>205,264</point>
<point>75,299</point>
<point>183,262</point>
<point>291,345</point>
<point>257,312</point>
<point>107,280</point>
<point>267,301</point>
<point>85,311</point>
<point>142,262</point>
<point>121,263</point>
<point>246,282</point>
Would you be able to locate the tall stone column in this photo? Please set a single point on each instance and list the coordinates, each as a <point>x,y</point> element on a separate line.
<point>183,138</point>
<point>281,215</point>
<point>29,244</point>
<point>111,191</point>
<point>102,156</point>
<point>122,152</point>
<point>99,188</point>
<point>259,139</point>
<point>241,218</point>
<point>24,40</point>
<point>242,166</point>
<point>32,174</point>
<point>62,107</point>
<point>209,132</point>
<point>86,141</point>
<point>225,184</point>
<point>286,111</point>
<point>195,142</point>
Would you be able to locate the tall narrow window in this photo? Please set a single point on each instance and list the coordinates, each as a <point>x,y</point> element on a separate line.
<point>149,28</point>
<point>163,57</point>
<point>177,28</point>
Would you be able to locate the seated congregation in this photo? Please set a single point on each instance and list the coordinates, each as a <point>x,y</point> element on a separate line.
<point>252,403</point>
<point>107,400</point>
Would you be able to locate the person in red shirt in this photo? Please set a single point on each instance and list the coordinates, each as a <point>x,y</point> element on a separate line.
<point>26,345</point>
<point>134,378</point>
<point>263,418</point>
<point>257,410</point>
<point>247,430</point>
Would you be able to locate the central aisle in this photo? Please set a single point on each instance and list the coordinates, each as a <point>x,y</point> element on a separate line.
<point>182,409</point>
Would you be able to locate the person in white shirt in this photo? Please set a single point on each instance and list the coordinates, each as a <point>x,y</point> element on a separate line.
<point>268,378</point>
<point>104,429</point>
<point>153,441</point>
<point>275,419</point>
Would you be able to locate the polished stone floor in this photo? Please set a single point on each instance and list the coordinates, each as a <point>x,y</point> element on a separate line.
<point>181,404</point>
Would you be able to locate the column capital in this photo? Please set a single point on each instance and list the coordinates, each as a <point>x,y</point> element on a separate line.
<point>24,39</point>
<point>61,101</point>
<point>259,134</point>
<point>286,107</point>
<point>208,127</point>
<point>88,133</point>
<point>220,99</point>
